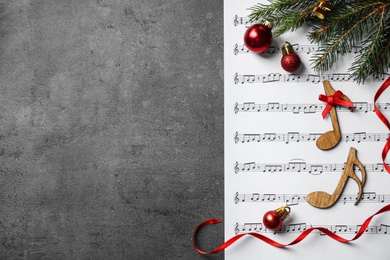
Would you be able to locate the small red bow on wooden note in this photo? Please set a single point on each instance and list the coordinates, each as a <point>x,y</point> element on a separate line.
<point>332,100</point>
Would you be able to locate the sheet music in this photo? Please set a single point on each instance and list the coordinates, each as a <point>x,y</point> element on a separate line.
<point>272,121</point>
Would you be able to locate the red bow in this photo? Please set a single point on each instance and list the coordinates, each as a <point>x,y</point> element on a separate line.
<point>386,149</point>
<point>335,99</point>
<point>300,238</point>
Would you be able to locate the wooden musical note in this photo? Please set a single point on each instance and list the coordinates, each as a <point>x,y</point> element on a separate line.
<point>321,199</point>
<point>331,138</point>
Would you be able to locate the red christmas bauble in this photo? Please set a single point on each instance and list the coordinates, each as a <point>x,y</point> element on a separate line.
<point>258,37</point>
<point>272,220</point>
<point>290,62</point>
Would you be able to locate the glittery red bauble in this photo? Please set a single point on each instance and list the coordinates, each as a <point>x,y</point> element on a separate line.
<point>290,62</point>
<point>272,220</point>
<point>258,38</point>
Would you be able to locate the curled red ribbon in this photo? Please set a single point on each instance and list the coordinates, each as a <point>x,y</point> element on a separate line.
<point>277,244</point>
<point>384,120</point>
<point>332,100</point>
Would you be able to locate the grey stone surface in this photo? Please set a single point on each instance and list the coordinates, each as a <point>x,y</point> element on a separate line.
<point>111,128</point>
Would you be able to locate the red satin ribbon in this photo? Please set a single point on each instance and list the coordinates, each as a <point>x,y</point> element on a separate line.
<point>335,99</point>
<point>384,120</point>
<point>277,244</point>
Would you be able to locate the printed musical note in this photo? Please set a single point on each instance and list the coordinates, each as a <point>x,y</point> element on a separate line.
<point>383,229</point>
<point>296,227</point>
<point>314,78</point>
<point>358,137</point>
<point>273,106</point>
<point>272,77</point>
<point>249,166</point>
<point>340,77</point>
<point>369,196</point>
<point>363,107</point>
<point>267,197</point>
<point>340,229</point>
<point>249,227</point>
<point>296,166</point>
<point>293,137</point>
<point>294,199</point>
<point>255,197</point>
<point>248,79</point>
<point>250,138</point>
<point>316,169</point>
<point>272,168</point>
<point>248,106</point>
<point>269,137</point>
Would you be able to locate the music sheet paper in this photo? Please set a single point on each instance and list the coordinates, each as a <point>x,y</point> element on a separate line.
<point>272,119</point>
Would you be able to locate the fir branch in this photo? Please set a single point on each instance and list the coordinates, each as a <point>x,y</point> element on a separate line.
<point>290,22</point>
<point>277,7</point>
<point>362,67</point>
<point>340,17</point>
<point>322,63</point>
<point>370,61</point>
<point>384,58</point>
<point>350,23</point>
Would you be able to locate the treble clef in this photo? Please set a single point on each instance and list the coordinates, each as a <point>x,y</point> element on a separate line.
<point>236,168</point>
<point>236,49</point>
<point>235,20</point>
<point>236,109</point>
<point>236,79</point>
<point>236,138</point>
<point>236,229</point>
<point>236,198</point>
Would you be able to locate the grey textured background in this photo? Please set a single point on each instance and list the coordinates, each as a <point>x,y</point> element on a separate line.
<point>111,128</point>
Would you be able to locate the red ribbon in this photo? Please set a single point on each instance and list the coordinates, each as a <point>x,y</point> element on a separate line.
<point>384,120</point>
<point>277,244</point>
<point>335,99</point>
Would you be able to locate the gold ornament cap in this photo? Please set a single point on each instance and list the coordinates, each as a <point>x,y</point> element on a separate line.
<point>287,48</point>
<point>268,24</point>
<point>321,9</point>
<point>283,212</point>
<point>325,5</point>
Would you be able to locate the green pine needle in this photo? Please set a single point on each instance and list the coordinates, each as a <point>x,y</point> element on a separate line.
<point>349,24</point>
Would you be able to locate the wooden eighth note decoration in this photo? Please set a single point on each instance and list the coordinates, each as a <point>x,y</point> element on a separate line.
<point>321,199</point>
<point>331,138</point>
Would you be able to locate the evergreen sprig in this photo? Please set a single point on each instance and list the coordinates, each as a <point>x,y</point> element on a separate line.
<point>350,23</point>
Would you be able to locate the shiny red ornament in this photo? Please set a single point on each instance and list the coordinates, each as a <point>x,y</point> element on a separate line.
<point>290,60</point>
<point>258,37</point>
<point>273,219</point>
